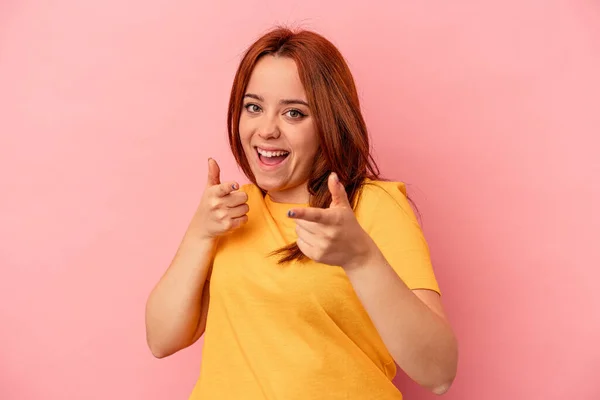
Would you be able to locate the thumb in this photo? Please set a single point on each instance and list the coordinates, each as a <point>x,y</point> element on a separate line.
<point>339,197</point>
<point>214,173</point>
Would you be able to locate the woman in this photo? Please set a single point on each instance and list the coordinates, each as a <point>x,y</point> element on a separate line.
<point>315,280</point>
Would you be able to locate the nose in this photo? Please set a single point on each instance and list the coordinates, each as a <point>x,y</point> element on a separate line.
<point>268,129</point>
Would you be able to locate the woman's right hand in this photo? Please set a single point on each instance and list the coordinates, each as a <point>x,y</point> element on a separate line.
<point>177,308</point>
<point>222,208</point>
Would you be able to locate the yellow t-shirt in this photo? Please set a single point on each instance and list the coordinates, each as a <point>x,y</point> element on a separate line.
<point>298,331</point>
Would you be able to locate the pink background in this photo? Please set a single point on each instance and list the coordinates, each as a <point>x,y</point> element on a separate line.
<point>109,110</point>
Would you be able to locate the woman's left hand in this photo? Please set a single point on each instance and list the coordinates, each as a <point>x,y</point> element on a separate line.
<point>333,236</point>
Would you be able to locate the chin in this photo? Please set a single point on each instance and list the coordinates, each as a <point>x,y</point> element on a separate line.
<point>269,184</point>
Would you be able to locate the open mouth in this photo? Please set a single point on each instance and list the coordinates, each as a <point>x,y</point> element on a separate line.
<point>271,157</point>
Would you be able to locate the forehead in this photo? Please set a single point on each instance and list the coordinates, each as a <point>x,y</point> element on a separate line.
<point>276,77</point>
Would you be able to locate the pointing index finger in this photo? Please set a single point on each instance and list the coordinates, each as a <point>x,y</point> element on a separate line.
<point>312,214</point>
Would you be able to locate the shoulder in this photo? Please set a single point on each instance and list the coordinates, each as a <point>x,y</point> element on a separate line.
<point>384,202</point>
<point>385,213</point>
<point>387,194</point>
<point>377,190</point>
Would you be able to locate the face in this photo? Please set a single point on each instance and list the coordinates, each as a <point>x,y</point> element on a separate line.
<point>277,130</point>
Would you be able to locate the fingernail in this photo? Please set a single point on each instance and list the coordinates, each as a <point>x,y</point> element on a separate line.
<point>234,186</point>
<point>335,177</point>
<point>291,213</point>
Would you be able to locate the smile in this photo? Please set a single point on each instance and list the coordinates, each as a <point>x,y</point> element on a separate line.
<point>272,157</point>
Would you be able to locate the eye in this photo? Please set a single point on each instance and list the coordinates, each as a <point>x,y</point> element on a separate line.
<point>295,114</point>
<point>252,108</point>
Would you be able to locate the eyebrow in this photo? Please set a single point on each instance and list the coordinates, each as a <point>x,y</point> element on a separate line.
<point>284,102</point>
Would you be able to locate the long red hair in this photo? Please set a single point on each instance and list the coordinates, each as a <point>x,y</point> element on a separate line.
<point>333,99</point>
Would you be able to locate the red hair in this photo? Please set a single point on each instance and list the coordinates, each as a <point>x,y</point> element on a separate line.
<point>333,99</point>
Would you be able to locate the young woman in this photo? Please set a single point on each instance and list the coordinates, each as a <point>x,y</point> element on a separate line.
<point>315,280</point>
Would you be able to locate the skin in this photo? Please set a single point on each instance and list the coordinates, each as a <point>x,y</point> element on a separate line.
<point>276,115</point>
<point>412,323</point>
<point>177,307</point>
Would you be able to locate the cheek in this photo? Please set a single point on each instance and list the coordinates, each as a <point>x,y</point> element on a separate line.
<point>244,130</point>
<point>307,143</point>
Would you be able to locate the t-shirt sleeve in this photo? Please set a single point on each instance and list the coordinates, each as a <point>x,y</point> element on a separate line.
<point>386,215</point>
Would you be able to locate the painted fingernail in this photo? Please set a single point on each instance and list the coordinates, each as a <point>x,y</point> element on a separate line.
<point>291,213</point>
<point>234,186</point>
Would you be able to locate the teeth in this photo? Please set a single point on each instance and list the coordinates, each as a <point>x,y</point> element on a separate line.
<point>265,153</point>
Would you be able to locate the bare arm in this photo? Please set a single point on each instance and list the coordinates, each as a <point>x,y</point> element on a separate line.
<point>412,324</point>
<point>177,307</point>
<point>179,300</point>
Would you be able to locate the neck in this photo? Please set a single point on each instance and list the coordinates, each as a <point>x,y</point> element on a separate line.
<point>296,195</point>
